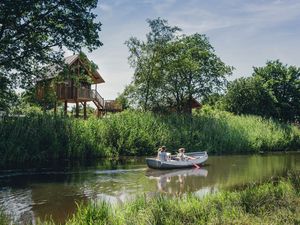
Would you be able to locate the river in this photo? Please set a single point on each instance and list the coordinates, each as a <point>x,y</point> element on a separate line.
<point>47,192</point>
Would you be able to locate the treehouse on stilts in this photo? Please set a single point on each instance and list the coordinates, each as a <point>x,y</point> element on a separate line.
<point>73,84</point>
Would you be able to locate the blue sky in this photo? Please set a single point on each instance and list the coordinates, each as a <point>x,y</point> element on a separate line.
<point>243,33</point>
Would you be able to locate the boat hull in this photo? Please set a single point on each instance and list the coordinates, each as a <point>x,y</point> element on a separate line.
<point>200,158</point>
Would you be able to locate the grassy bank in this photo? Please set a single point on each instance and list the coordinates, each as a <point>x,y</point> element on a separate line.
<point>276,201</point>
<point>44,137</point>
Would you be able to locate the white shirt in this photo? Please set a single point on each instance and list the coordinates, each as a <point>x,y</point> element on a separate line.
<point>162,156</point>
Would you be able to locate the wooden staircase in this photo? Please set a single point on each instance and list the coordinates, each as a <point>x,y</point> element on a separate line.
<point>98,101</point>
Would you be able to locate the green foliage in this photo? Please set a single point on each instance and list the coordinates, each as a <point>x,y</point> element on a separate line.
<point>214,100</point>
<point>100,214</point>
<point>145,58</point>
<point>193,71</point>
<point>27,104</point>
<point>272,91</point>
<point>26,109</point>
<point>283,82</point>
<point>172,70</point>
<point>43,138</point>
<point>249,96</point>
<point>7,96</point>
<point>79,73</point>
<point>33,34</point>
<point>122,101</point>
<point>273,202</point>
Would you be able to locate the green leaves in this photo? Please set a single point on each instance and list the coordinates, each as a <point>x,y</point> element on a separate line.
<point>33,34</point>
<point>172,70</point>
<point>272,91</point>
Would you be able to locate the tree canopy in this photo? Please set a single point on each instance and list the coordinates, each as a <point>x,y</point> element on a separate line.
<point>271,91</point>
<point>249,96</point>
<point>33,34</point>
<point>172,69</point>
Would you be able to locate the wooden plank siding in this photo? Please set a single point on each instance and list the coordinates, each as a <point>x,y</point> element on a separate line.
<point>73,90</point>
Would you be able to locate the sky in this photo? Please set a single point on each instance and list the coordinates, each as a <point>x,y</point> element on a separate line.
<point>243,33</point>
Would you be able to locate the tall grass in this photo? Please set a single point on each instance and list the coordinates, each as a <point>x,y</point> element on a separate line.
<point>45,137</point>
<point>4,219</point>
<point>274,202</point>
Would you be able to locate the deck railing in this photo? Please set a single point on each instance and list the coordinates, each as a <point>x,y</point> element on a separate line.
<point>97,97</point>
<point>86,94</point>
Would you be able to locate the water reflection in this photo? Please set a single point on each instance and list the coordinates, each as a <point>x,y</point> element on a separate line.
<point>173,181</point>
<point>31,194</point>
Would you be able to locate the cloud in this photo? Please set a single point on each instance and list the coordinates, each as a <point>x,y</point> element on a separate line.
<point>159,6</point>
<point>105,7</point>
<point>244,33</point>
<point>271,13</point>
<point>250,16</point>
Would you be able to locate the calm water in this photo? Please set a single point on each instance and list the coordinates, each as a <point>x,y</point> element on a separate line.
<point>29,195</point>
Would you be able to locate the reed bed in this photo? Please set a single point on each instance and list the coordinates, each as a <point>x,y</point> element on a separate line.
<point>43,138</point>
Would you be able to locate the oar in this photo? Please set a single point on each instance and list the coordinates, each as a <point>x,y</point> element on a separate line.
<point>197,167</point>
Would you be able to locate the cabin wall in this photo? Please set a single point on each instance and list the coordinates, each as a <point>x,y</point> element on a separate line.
<point>44,89</point>
<point>69,91</point>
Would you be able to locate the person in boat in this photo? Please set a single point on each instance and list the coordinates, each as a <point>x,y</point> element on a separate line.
<point>162,154</point>
<point>181,156</point>
<point>158,152</point>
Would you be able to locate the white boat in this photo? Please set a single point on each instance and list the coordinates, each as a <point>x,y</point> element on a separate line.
<point>198,159</point>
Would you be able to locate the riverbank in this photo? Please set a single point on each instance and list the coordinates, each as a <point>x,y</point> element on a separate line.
<point>47,138</point>
<point>275,201</point>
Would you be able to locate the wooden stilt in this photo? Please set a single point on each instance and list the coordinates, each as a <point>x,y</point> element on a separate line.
<point>84,110</point>
<point>66,108</point>
<point>77,110</point>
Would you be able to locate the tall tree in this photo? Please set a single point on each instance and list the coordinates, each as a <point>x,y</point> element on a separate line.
<point>249,96</point>
<point>272,91</point>
<point>283,82</point>
<point>171,70</point>
<point>193,71</point>
<point>33,34</point>
<point>145,57</point>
